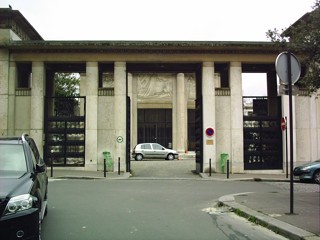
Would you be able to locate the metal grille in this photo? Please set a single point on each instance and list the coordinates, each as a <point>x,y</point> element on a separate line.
<point>65,131</point>
<point>262,133</point>
<point>199,134</point>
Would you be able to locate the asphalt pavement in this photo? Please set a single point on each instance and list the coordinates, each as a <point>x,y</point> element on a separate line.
<point>271,210</point>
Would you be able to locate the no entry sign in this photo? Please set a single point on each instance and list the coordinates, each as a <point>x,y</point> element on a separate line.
<point>283,124</point>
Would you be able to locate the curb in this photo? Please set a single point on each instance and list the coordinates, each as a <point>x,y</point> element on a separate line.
<point>279,227</point>
<point>125,175</point>
<point>254,179</point>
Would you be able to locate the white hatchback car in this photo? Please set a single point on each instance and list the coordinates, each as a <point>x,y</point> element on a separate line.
<point>153,150</point>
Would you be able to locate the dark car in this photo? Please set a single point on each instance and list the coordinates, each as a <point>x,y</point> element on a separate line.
<point>308,172</point>
<point>153,150</point>
<point>23,188</point>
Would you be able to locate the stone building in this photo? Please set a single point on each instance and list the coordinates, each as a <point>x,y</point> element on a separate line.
<point>170,92</point>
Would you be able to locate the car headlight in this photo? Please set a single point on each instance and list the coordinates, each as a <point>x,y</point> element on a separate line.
<point>19,203</point>
<point>306,168</point>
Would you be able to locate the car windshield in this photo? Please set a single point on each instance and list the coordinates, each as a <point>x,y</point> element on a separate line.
<point>12,158</point>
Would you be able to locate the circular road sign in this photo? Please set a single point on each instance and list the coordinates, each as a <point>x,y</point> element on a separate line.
<point>209,132</point>
<point>119,139</point>
<point>282,68</point>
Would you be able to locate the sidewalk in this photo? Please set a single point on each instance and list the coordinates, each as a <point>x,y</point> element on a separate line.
<point>268,209</point>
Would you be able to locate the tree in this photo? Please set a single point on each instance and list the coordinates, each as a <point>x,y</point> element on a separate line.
<point>67,87</point>
<point>66,84</point>
<point>303,39</point>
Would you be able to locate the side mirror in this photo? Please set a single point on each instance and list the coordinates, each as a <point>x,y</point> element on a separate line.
<point>40,168</point>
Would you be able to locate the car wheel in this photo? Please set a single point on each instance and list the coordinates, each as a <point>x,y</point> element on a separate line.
<point>139,157</point>
<point>316,176</point>
<point>170,156</point>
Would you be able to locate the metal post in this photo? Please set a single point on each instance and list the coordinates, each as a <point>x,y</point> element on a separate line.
<point>51,165</point>
<point>119,166</point>
<point>104,167</point>
<point>291,130</point>
<point>287,164</point>
<point>210,167</point>
<point>228,169</point>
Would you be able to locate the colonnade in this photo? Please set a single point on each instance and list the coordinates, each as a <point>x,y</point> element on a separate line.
<point>89,88</point>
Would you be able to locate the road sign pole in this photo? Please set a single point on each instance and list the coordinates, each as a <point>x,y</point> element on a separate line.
<point>291,129</point>
<point>286,129</point>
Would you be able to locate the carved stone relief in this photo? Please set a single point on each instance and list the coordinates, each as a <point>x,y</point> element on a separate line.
<point>107,80</point>
<point>155,86</point>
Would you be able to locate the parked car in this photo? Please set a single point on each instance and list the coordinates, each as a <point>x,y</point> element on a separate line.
<point>308,172</point>
<point>153,150</point>
<point>23,188</point>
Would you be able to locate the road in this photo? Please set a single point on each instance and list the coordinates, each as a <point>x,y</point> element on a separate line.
<point>147,209</point>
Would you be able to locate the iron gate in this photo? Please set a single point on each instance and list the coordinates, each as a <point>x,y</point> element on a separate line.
<point>199,135</point>
<point>262,133</point>
<point>65,131</point>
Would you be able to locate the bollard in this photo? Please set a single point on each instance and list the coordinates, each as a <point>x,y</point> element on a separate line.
<point>51,167</point>
<point>227,168</point>
<point>210,167</point>
<point>104,167</point>
<point>119,166</point>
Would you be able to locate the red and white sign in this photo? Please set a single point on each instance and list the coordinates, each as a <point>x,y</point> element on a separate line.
<point>283,124</point>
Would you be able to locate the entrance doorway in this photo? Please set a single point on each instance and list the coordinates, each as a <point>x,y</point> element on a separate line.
<point>155,125</point>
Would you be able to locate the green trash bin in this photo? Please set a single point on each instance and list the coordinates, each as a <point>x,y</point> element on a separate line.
<point>223,160</point>
<point>109,162</point>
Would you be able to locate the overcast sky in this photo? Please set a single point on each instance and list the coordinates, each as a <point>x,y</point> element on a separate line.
<point>194,20</point>
<point>208,20</point>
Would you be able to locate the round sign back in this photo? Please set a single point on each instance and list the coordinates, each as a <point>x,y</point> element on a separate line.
<point>282,68</point>
<point>283,124</point>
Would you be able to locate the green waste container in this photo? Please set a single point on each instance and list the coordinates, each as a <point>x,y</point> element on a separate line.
<point>109,162</point>
<point>223,160</point>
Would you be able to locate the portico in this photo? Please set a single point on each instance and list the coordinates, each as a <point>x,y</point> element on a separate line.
<point>133,91</point>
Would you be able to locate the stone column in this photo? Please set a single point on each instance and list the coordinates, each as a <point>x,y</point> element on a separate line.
<point>134,109</point>
<point>181,113</point>
<point>4,91</point>
<point>37,103</point>
<point>120,114</point>
<point>236,156</point>
<point>174,114</point>
<point>11,99</point>
<point>92,82</point>
<point>209,121</point>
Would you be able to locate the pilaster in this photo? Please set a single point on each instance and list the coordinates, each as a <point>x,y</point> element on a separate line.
<point>209,121</point>
<point>181,114</point>
<point>11,98</point>
<point>91,85</point>
<point>120,114</point>
<point>236,156</point>
<point>37,103</point>
<point>4,91</point>
<point>133,92</point>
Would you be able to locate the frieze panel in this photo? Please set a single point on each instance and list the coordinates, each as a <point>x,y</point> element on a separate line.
<point>153,86</point>
<point>107,80</point>
<point>190,78</point>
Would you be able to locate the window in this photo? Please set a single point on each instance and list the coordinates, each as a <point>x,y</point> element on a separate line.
<point>156,146</point>
<point>145,146</point>
<point>24,75</point>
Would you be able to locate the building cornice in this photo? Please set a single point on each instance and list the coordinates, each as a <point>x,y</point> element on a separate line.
<point>14,20</point>
<point>226,47</point>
